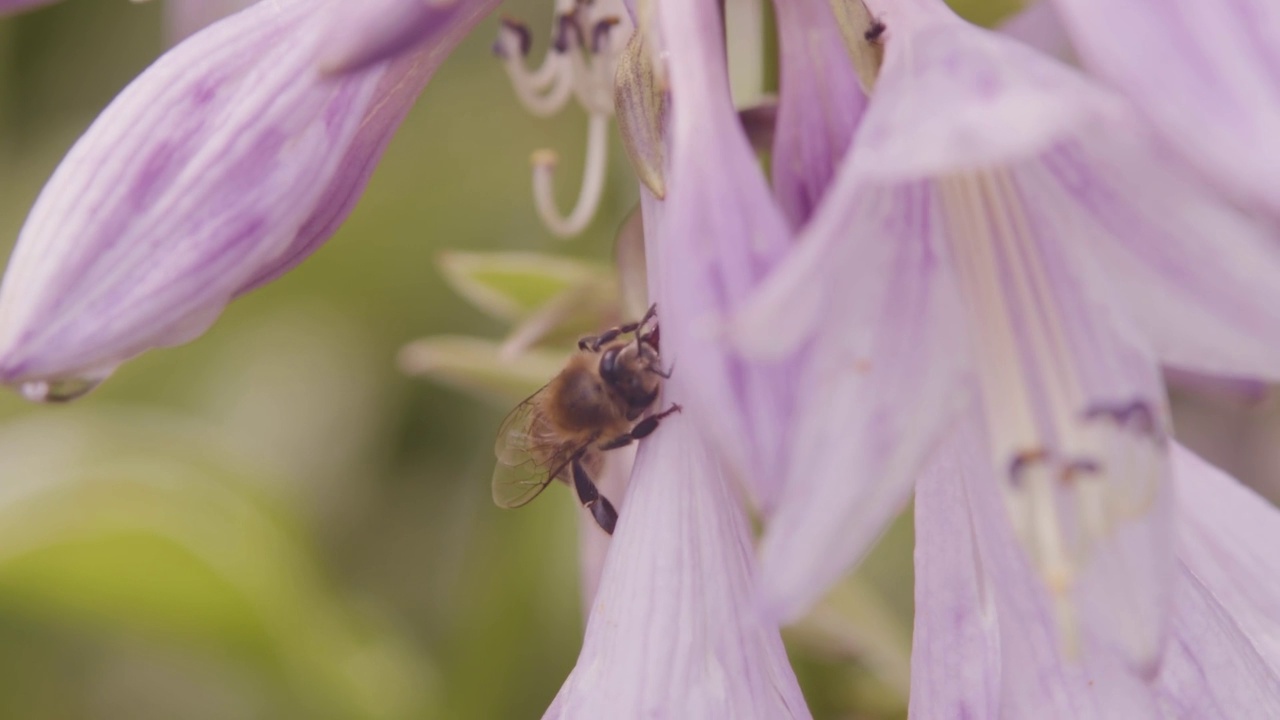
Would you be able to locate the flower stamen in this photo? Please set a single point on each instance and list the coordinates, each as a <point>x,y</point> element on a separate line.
<point>1080,463</point>
<point>581,63</point>
<point>593,176</point>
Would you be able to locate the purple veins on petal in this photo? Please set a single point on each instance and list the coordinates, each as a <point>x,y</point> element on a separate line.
<point>819,106</point>
<point>1206,74</point>
<point>366,32</point>
<point>224,164</point>
<point>674,630</point>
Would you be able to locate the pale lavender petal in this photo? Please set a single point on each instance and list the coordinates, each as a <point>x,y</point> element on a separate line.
<point>818,108</point>
<point>1213,668</point>
<point>674,632</point>
<point>220,167</point>
<point>1071,392</point>
<point>370,31</point>
<point>1077,414</point>
<point>1197,276</point>
<point>955,648</point>
<point>185,17</point>
<point>1228,537</point>
<point>8,7</point>
<point>953,97</point>
<point>1039,676</point>
<point>883,380</point>
<point>1039,26</point>
<point>1207,74</point>
<point>720,234</point>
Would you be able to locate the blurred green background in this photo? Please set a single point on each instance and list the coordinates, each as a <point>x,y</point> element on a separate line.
<point>274,521</point>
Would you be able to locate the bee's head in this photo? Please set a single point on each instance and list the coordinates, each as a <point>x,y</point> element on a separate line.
<point>632,371</point>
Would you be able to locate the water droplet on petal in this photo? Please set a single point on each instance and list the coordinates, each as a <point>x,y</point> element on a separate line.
<point>61,390</point>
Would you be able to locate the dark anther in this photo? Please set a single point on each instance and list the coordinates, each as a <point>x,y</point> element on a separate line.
<point>566,26</point>
<point>1136,416</point>
<point>876,32</point>
<point>1023,461</point>
<point>522,33</point>
<point>1080,466</point>
<point>600,32</point>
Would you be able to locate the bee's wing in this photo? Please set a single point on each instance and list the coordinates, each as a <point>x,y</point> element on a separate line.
<point>529,456</point>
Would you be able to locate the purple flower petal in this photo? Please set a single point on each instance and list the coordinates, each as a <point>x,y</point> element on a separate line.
<point>1040,27</point>
<point>369,31</point>
<point>1228,535</point>
<point>953,97</point>
<point>674,632</point>
<point>985,641</point>
<point>1207,74</point>
<point>1197,276</point>
<point>882,382</point>
<point>719,234</point>
<point>223,165</point>
<point>955,648</point>
<point>1212,668</point>
<point>1028,668</point>
<point>819,107</point>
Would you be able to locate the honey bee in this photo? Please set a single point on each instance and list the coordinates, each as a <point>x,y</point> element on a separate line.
<point>594,405</point>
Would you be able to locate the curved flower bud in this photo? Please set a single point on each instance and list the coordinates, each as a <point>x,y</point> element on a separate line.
<point>223,165</point>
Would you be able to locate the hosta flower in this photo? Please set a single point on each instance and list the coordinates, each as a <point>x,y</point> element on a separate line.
<point>1007,248</point>
<point>223,165</point>
<point>996,262</point>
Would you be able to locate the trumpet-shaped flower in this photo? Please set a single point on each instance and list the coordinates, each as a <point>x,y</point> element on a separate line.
<point>223,165</point>
<point>1007,246</point>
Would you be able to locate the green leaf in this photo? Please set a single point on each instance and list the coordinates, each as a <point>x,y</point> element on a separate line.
<point>512,286</point>
<point>481,367</point>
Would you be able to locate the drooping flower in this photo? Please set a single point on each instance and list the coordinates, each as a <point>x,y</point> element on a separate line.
<point>223,165</point>
<point>675,630</point>
<point>1007,246</point>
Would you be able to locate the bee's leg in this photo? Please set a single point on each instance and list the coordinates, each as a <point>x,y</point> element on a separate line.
<point>599,505</point>
<point>641,429</point>
<point>595,342</point>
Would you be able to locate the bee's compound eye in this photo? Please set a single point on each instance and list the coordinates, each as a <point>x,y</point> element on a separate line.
<point>609,365</point>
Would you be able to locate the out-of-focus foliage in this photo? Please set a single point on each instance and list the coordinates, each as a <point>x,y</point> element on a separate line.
<point>276,521</point>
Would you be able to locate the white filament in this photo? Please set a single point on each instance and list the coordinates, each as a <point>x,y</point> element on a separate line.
<point>1078,477</point>
<point>585,75</point>
<point>593,174</point>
